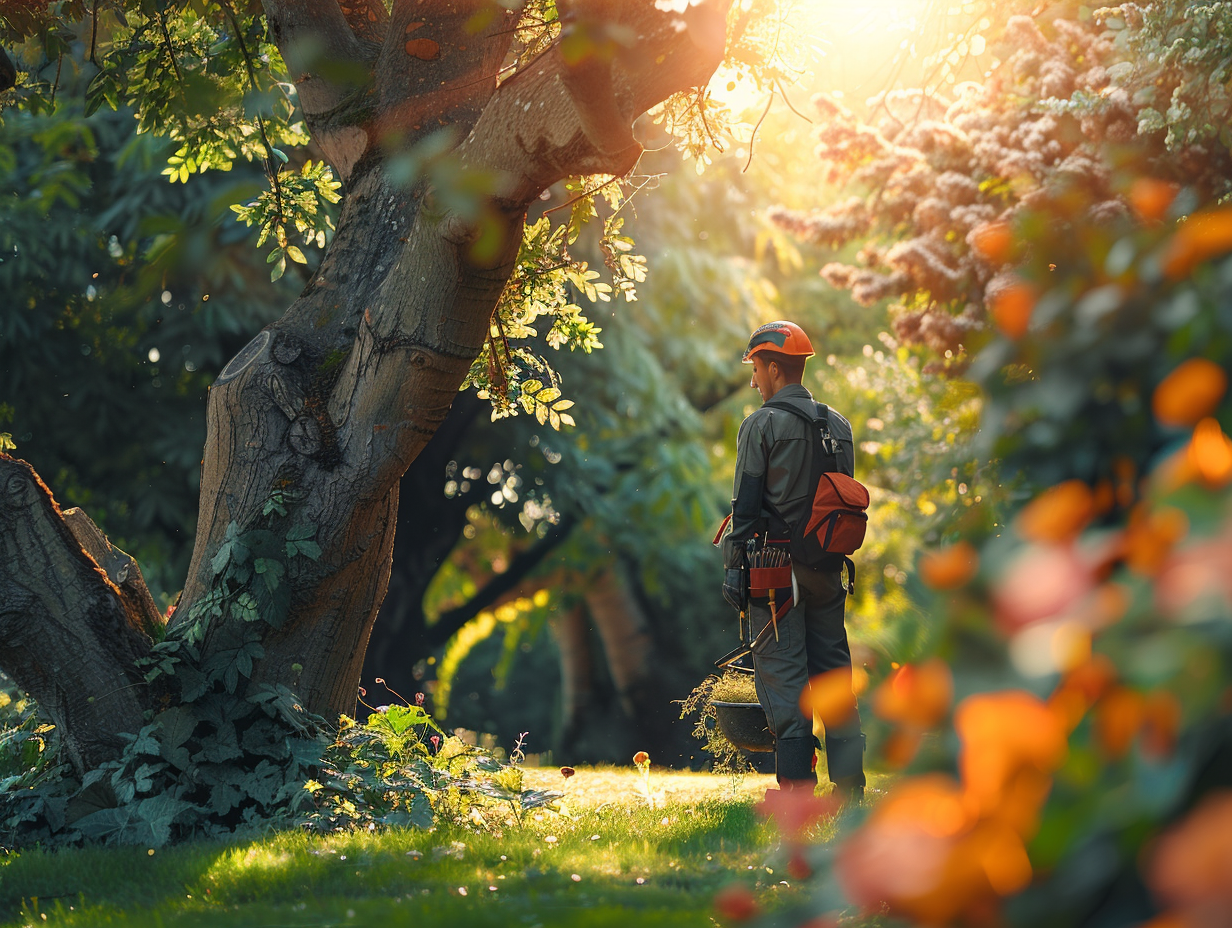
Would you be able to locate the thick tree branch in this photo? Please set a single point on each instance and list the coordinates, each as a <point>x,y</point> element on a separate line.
<point>67,636</point>
<point>331,69</point>
<point>522,564</point>
<point>439,64</point>
<point>554,118</point>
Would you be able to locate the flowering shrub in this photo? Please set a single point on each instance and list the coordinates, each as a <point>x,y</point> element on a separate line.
<point>948,185</point>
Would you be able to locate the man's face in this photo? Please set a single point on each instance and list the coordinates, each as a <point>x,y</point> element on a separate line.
<point>761,378</point>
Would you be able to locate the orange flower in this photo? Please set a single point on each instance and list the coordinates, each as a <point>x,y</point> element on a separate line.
<point>917,696</point>
<point>641,759</point>
<point>1117,720</point>
<point>1151,198</point>
<point>1058,514</point>
<point>901,746</point>
<point>1081,688</point>
<point>993,241</point>
<point>1011,309</point>
<point>949,568</point>
<point>1210,453</point>
<point>829,697</point>
<point>923,853</point>
<point>1191,867</point>
<point>1189,393</point>
<point>1203,236</point>
<point>567,772</point>
<point>1151,535</point>
<point>1012,741</point>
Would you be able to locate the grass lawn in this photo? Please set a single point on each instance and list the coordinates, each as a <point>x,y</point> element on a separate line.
<point>609,860</point>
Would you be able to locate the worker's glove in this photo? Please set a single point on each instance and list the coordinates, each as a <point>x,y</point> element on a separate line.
<point>735,587</point>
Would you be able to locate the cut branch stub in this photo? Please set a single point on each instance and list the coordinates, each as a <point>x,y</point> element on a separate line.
<point>68,637</point>
<point>121,568</point>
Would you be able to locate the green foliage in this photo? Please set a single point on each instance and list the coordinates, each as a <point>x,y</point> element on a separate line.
<point>1174,61</point>
<point>223,762</point>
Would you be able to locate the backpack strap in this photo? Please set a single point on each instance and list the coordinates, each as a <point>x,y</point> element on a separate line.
<point>820,431</point>
<point>825,453</point>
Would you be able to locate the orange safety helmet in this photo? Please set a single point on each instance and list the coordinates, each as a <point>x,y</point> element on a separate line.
<point>780,337</point>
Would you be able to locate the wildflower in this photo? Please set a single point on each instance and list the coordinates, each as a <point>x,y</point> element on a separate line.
<point>641,758</point>
<point>419,699</point>
<point>567,772</point>
<point>436,742</point>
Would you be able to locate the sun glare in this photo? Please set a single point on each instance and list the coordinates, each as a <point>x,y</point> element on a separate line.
<point>855,50</point>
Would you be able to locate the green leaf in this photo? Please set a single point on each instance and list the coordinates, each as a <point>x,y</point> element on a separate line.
<point>279,269</point>
<point>176,726</point>
<point>296,255</point>
<point>245,607</point>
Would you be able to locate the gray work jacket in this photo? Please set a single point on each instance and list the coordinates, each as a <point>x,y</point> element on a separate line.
<point>774,452</point>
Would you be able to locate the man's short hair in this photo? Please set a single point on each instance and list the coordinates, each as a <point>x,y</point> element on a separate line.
<point>792,366</point>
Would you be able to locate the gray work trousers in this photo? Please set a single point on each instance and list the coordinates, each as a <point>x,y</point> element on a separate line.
<point>811,640</point>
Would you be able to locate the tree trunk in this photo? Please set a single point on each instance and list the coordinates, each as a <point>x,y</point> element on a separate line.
<point>313,423</point>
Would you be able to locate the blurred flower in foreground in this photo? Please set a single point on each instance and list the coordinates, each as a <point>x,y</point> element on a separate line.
<point>1012,741</point>
<point>994,241</point>
<point>1151,198</point>
<point>830,696</point>
<point>1191,867</point>
<point>1202,236</point>
<point>915,698</point>
<point>1011,307</point>
<point>735,903</point>
<point>1190,393</point>
<point>938,851</point>
<point>1042,582</point>
<point>949,568</point>
<point>1150,537</point>
<point>1196,575</point>
<point>795,811</point>
<point>924,854</point>
<point>1210,454</point>
<point>1058,514</point>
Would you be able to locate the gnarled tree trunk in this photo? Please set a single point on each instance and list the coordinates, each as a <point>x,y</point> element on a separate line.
<point>311,426</point>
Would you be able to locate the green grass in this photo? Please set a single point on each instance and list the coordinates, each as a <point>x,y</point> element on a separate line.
<point>605,866</point>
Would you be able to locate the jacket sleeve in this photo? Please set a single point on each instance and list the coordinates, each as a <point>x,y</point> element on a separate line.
<point>747,490</point>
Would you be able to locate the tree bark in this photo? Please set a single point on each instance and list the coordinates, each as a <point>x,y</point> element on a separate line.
<point>70,635</point>
<point>311,425</point>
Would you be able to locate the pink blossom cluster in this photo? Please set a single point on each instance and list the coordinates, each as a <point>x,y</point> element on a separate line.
<point>937,173</point>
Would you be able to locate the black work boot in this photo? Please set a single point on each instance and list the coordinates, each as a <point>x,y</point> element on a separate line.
<point>793,763</point>
<point>845,759</point>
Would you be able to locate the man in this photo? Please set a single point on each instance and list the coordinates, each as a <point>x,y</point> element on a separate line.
<point>772,494</point>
